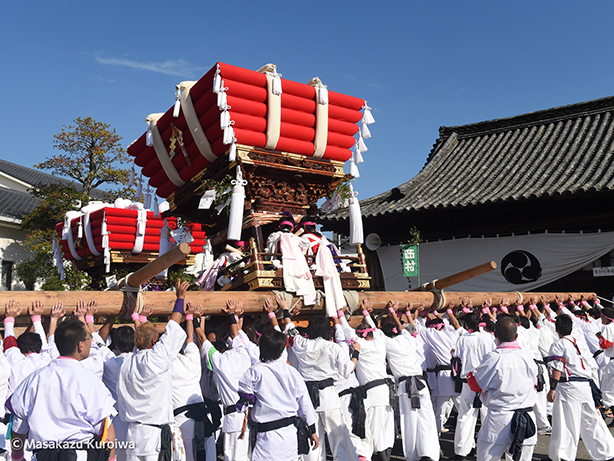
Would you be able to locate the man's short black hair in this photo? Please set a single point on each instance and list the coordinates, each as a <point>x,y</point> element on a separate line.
<point>272,345</point>
<point>525,322</point>
<point>319,327</point>
<point>472,321</point>
<point>506,329</point>
<point>594,312</point>
<point>389,330</point>
<point>29,342</point>
<point>564,325</point>
<point>122,338</point>
<point>68,335</point>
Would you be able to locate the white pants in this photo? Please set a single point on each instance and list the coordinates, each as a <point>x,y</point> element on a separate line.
<point>358,443</point>
<point>418,428</point>
<point>235,449</point>
<point>464,434</point>
<point>443,407</point>
<point>331,424</point>
<point>492,452</point>
<point>607,383</point>
<point>379,429</point>
<point>572,420</point>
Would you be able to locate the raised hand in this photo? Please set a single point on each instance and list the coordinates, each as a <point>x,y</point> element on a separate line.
<point>12,309</point>
<point>37,308</point>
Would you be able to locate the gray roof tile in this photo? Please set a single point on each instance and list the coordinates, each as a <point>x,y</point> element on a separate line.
<point>566,150</point>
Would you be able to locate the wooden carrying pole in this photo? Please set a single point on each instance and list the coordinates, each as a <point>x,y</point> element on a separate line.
<point>161,263</point>
<point>458,278</point>
<point>110,302</point>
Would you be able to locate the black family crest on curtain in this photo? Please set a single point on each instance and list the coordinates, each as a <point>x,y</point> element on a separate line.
<point>520,266</point>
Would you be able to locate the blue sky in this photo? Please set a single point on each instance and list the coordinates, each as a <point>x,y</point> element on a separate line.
<point>420,65</point>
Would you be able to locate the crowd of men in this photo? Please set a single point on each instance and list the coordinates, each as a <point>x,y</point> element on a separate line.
<point>266,389</point>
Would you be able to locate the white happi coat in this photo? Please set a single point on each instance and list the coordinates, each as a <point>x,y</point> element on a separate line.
<point>439,345</point>
<point>144,390</point>
<point>110,376</point>
<point>507,377</point>
<point>228,368</point>
<point>22,365</point>
<point>280,392</point>
<point>607,372</point>
<point>186,390</point>
<point>574,414</point>
<point>319,359</point>
<point>62,402</point>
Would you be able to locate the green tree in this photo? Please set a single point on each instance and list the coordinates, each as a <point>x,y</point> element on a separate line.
<point>92,157</point>
<point>92,151</point>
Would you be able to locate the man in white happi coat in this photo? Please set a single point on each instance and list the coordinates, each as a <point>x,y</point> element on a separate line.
<point>417,418</point>
<point>471,347</point>
<point>506,379</point>
<point>574,414</point>
<point>144,389</point>
<point>606,340</point>
<point>188,403</point>
<point>229,365</point>
<point>321,363</point>
<point>377,384</point>
<point>64,403</point>
<point>440,338</point>
<point>123,344</point>
<point>278,395</point>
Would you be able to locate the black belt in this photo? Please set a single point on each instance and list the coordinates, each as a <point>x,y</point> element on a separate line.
<point>598,353</point>
<point>303,432</point>
<point>539,362</point>
<point>230,409</point>
<point>413,386</point>
<point>357,404</point>
<point>439,368</point>
<point>564,379</point>
<point>314,387</point>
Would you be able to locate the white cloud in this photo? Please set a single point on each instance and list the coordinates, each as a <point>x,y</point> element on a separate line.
<point>178,67</point>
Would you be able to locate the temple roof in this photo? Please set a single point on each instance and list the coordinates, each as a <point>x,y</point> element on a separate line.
<point>553,153</point>
<point>16,204</point>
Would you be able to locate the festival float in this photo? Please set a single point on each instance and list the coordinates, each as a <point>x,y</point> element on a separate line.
<point>239,149</point>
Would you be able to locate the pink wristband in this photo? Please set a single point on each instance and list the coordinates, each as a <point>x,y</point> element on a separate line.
<point>532,307</point>
<point>504,309</point>
<point>9,320</point>
<point>143,319</point>
<point>189,316</point>
<point>585,303</point>
<point>493,309</point>
<point>89,319</point>
<point>597,302</point>
<point>391,310</point>
<point>36,318</point>
<point>340,314</point>
<point>450,312</point>
<point>365,313</point>
<point>520,308</point>
<point>272,315</point>
<point>466,310</point>
<point>485,311</point>
<point>134,316</point>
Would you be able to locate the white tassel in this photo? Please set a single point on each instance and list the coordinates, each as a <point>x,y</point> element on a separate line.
<point>222,99</point>
<point>139,188</point>
<point>177,102</point>
<point>276,83</point>
<point>147,201</point>
<point>54,245</point>
<point>356,231</point>
<point>165,244</point>
<point>229,134</point>
<point>132,175</point>
<point>359,158</point>
<point>235,219</point>
<point>149,137</point>
<point>156,207</point>
<point>361,144</point>
<point>366,133</point>
<point>65,228</point>
<point>80,229</point>
<point>107,260</point>
<point>354,169</point>
<point>217,80</point>
<point>323,95</point>
<point>367,116</point>
<point>232,153</point>
<point>224,119</point>
<point>103,227</point>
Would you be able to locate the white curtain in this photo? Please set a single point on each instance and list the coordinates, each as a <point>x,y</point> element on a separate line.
<point>524,262</point>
